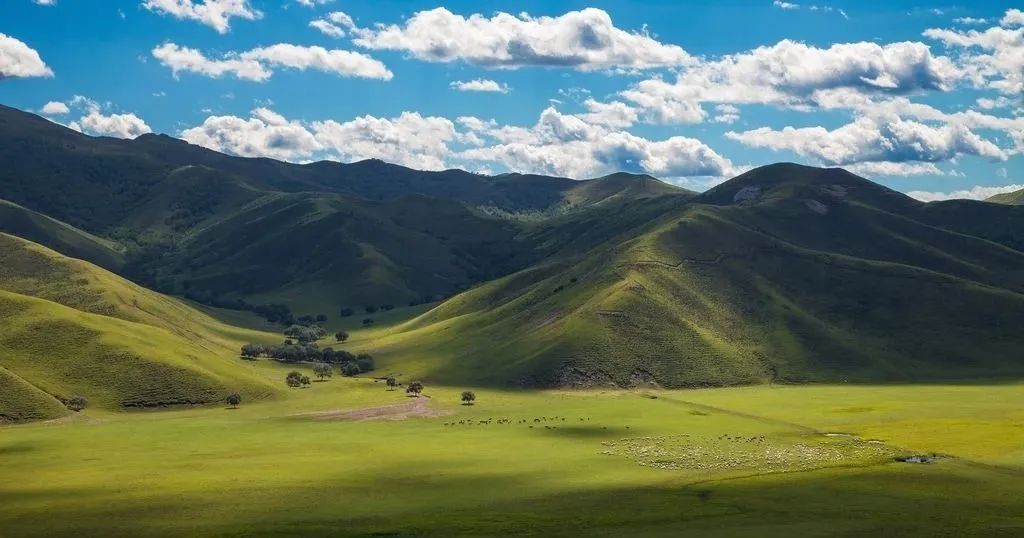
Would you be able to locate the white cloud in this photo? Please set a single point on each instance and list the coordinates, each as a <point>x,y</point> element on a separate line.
<point>887,168</point>
<point>46,2</point>
<point>55,108</point>
<point>785,5</point>
<point>585,40</point>
<point>410,139</point>
<point>313,3</point>
<point>216,14</point>
<point>258,64</point>
<point>566,145</point>
<point>1013,17</point>
<point>791,74</point>
<point>95,122</point>
<point>789,6</point>
<point>726,114</point>
<point>970,20</point>
<point>617,115</point>
<point>977,192</point>
<point>334,24</point>
<point>19,60</point>
<point>867,139</point>
<point>992,58</point>
<point>265,134</point>
<point>479,85</point>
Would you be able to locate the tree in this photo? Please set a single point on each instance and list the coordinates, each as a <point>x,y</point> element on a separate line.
<point>392,382</point>
<point>468,397</point>
<point>415,388</point>
<point>322,370</point>
<point>346,312</point>
<point>320,318</point>
<point>77,403</point>
<point>305,380</point>
<point>370,309</point>
<point>294,379</point>
<point>251,351</point>
<point>367,321</point>
<point>351,368</point>
<point>233,399</point>
<point>365,362</point>
<point>340,336</point>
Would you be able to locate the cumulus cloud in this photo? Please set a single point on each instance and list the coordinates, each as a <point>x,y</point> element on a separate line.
<point>313,3</point>
<point>46,2</point>
<point>791,74</point>
<point>480,85</point>
<point>258,64</point>
<point>790,6</point>
<point>18,60</point>
<point>567,145</point>
<point>866,139</point>
<point>55,108</point>
<point>95,122</point>
<point>886,168</point>
<point>409,139</point>
<point>977,192</point>
<point>584,40</point>
<point>334,24</point>
<point>216,14</point>
<point>992,58</point>
<point>265,134</point>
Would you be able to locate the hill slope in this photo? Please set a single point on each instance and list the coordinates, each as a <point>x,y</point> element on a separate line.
<point>786,273</point>
<point>64,238</point>
<point>73,328</point>
<point>1009,198</point>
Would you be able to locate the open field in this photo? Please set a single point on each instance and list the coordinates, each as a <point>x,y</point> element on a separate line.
<point>743,461</point>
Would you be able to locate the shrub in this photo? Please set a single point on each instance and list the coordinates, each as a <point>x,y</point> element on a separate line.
<point>322,370</point>
<point>305,380</point>
<point>77,403</point>
<point>351,368</point>
<point>251,351</point>
<point>233,399</point>
<point>370,309</point>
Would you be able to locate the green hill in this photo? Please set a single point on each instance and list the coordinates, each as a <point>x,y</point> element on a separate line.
<point>1008,198</point>
<point>70,327</point>
<point>28,224</point>
<point>785,273</point>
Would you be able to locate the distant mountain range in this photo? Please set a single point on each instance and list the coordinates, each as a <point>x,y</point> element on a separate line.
<point>786,273</point>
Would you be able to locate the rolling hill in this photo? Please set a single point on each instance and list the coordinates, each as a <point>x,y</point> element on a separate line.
<point>1009,198</point>
<point>786,273</point>
<point>70,327</point>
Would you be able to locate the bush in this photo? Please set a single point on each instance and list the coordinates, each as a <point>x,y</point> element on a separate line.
<point>322,370</point>
<point>294,379</point>
<point>305,380</point>
<point>415,388</point>
<point>468,397</point>
<point>77,403</point>
<point>351,368</point>
<point>233,399</point>
<point>340,336</point>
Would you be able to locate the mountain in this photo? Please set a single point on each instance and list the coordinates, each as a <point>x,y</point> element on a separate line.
<point>785,273</point>
<point>60,236</point>
<point>1008,198</point>
<point>70,327</point>
<point>317,237</point>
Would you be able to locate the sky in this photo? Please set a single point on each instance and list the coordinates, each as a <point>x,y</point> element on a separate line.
<point>925,98</point>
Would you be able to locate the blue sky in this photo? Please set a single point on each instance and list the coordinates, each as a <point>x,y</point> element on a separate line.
<point>922,97</point>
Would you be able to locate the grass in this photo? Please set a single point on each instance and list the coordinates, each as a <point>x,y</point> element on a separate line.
<point>265,469</point>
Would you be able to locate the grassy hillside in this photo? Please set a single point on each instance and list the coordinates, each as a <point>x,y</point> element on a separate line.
<point>1009,198</point>
<point>810,275</point>
<point>73,328</point>
<point>39,228</point>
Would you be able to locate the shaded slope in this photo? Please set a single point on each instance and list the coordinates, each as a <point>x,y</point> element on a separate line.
<point>1008,198</point>
<point>39,228</point>
<point>73,328</point>
<point>797,283</point>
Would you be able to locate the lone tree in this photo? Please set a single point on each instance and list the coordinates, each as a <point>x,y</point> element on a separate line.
<point>77,403</point>
<point>322,370</point>
<point>341,336</point>
<point>391,382</point>
<point>305,380</point>
<point>294,379</point>
<point>233,400</point>
<point>350,369</point>
<point>415,388</point>
<point>468,397</point>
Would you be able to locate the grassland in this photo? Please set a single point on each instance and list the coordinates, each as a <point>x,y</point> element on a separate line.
<point>716,462</point>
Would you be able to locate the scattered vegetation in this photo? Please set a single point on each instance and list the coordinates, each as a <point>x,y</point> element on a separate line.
<point>77,403</point>
<point>233,399</point>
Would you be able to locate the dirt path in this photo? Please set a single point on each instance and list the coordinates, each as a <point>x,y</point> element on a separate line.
<point>416,407</point>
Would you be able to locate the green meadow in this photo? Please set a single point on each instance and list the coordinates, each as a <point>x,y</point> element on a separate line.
<point>761,461</point>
